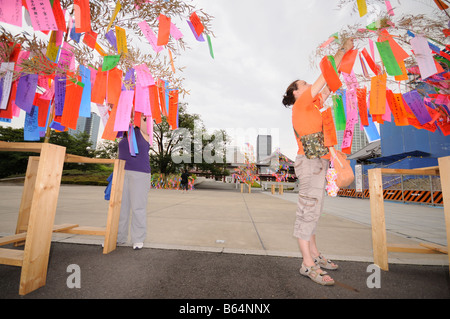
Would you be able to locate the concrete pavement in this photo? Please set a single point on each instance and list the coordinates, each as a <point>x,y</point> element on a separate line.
<point>239,234</point>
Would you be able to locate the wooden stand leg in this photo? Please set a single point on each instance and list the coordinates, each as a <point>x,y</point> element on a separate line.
<point>115,202</point>
<point>444,169</point>
<point>42,216</point>
<point>378,219</point>
<point>27,196</point>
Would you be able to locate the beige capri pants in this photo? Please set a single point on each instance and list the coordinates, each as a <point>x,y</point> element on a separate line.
<point>311,174</point>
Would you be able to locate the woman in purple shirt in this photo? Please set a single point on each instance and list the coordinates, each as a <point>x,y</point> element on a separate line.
<point>136,187</point>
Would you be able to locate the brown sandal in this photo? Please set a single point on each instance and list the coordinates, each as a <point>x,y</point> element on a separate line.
<point>325,263</point>
<point>317,277</point>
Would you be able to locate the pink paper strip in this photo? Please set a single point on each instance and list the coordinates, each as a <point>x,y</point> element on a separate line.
<point>352,118</point>
<point>150,36</point>
<point>11,12</point>
<point>424,56</point>
<point>389,7</point>
<point>175,32</point>
<point>144,76</point>
<point>41,15</point>
<point>142,100</point>
<point>150,129</point>
<point>123,114</point>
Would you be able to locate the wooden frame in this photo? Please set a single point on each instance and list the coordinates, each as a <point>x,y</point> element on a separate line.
<point>379,242</point>
<point>38,208</point>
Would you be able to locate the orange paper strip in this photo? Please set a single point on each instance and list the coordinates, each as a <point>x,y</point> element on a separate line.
<point>164,30</point>
<point>59,16</point>
<point>98,94</point>
<point>441,5</point>
<point>361,94</point>
<point>162,97</point>
<point>330,75</point>
<point>69,117</point>
<point>154,104</point>
<point>198,26</point>
<point>173,109</point>
<point>378,94</point>
<point>114,87</point>
<point>82,16</point>
<point>348,61</point>
<point>375,68</point>
<point>90,38</point>
<point>108,132</point>
<point>395,102</point>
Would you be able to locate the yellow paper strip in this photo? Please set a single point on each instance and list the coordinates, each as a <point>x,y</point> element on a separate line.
<point>121,40</point>
<point>362,7</point>
<point>116,11</point>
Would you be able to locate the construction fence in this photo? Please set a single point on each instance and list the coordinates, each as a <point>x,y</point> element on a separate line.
<point>422,189</point>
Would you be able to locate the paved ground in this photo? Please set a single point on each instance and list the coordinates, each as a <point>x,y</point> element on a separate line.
<point>216,243</point>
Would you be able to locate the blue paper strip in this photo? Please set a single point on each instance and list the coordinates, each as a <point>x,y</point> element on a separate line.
<point>30,128</point>
<point>85,104</point>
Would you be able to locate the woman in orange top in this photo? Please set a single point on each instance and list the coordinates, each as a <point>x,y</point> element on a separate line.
<point>307,101</point>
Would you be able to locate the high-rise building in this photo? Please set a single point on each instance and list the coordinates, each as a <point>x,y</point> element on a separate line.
<point>89,125</point>
<point>263,147</point>
<point>359,138</point>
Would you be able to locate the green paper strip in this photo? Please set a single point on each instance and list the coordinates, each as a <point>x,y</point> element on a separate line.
<point>333,63</point>
<point>388,58</point>
<point>339,113</point>
<point>210,46</point>
<point>110,62</point>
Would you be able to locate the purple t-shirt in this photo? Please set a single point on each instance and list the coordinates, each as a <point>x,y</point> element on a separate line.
<point>140,162</point>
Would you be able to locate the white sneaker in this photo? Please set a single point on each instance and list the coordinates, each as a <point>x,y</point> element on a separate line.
<point>137,246</point>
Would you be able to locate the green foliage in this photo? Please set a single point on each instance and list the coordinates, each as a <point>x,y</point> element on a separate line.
<point>15,163</point>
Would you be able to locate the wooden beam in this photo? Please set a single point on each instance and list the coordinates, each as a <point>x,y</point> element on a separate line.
<point>414,249</point>
<point>11,257</point>
<point>81,159</point>
<point>115,202</point>
<point>438,248</point>
<point>86,230</point>
<point>378,219</point>
<point>20,147</point>
<point>42,216</point>
<point>444,166</point>
<point>23,236</point>
<point>422,171</point>
<point>12,239</point>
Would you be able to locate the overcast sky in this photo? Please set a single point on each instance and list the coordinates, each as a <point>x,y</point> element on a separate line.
<point>260,47</point>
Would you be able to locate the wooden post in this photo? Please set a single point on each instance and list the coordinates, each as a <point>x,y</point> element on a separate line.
<point>273,189</point>
<point>27,196</point>
<point>41,219</point>
<point>444,170</point>
<point>115,202</point>
<point>378,219</point>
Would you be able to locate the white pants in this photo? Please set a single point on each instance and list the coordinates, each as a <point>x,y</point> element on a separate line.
<point>136,187</point>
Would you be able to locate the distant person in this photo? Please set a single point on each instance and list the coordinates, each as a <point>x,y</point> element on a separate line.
<point>184,181</point>
<point>307,100</point>
<point>136,187</point>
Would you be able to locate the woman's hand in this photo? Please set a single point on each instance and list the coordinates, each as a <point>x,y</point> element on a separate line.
<point>348,45</point>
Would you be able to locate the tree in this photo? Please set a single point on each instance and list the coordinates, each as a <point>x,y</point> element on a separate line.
<point>87,46</point>
<point>187,146</point>
<point>14,163</point>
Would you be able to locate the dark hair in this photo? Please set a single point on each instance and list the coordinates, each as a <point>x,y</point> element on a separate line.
<point>288,97</point>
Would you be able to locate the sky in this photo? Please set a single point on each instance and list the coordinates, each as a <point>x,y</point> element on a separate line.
<point>260,47</point>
